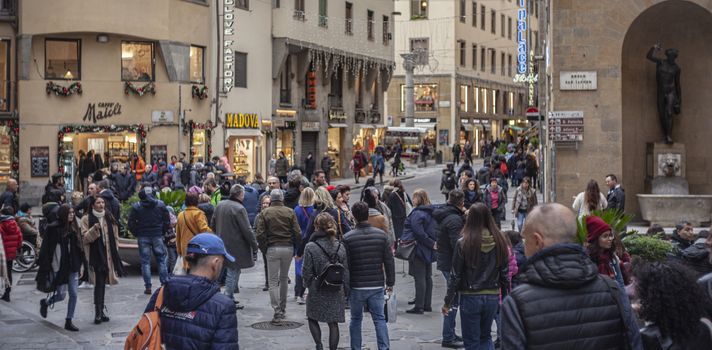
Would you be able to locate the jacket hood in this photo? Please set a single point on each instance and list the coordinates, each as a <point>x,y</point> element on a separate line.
<point>426,208</point>
<point>187,293</point>
<point>373,212</point>
<point>487,241</point>
<point>441,213</point>
<point>562,266</point>
<point>149,203</point>
<point>4,218</point>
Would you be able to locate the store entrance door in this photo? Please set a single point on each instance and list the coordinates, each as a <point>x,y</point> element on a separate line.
<point>309,144</point>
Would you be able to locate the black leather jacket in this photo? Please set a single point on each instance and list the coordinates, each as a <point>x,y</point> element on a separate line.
<point>485,275</point>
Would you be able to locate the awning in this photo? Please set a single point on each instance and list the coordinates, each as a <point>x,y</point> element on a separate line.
<point>425,125</point>
<point>243,133</point>
<point>467,127</point>
<point>406,129</point>
<point>337,125</point>
<point>365,126</point>
<point>517,128</point>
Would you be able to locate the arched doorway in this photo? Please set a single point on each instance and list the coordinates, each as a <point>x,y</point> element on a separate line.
<point>687,27</point>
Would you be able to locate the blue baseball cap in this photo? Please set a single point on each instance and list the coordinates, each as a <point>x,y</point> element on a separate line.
<point>208,244</point>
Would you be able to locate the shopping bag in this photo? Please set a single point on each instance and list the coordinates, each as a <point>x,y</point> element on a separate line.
<point>390,307</point>
<point>178,270</point>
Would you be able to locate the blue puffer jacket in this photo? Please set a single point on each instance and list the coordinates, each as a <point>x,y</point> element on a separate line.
<point>149,218</point>
<point>422,227</point>
<point>195,315</point>
<point>251,202</point>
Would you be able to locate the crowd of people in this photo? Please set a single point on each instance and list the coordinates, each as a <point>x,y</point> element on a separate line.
<point>537,283</point>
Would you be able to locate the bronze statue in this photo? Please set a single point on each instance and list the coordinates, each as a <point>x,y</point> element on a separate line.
<point>667,75</point>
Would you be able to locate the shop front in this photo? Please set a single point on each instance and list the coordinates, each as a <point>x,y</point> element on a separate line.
<point>285,124</point>
<point>243,143</point>
<point>200,135</point>
<point>335,141</point>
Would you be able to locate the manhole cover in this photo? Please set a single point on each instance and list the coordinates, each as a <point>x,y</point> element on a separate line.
<point>25,282</point>
<point>17,321</point>
<point>119,334</point>
<point>270,326</point>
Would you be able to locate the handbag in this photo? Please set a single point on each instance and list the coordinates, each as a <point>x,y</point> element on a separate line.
<point>45,281</point>
<point>405,250</point>
<point>390,307</point>
<point>178,269</point>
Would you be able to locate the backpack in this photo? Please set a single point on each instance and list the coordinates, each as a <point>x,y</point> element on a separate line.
<point>331,277</point>
<point>450,182</point>
<point>146,335</point>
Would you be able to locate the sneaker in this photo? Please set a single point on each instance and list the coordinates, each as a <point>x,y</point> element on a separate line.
<point>147,291</point>
<point>452,344</point>
<point>300,301</point>
<point>85,285</point>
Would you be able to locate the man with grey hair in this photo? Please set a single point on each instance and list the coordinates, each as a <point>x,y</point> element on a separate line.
<point>272,184</point>
<point>278,232</point>
<point>559,278</point>
<point>232,224</point>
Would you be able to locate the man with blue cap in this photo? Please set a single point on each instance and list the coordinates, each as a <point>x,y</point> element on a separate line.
<point>194,314</point>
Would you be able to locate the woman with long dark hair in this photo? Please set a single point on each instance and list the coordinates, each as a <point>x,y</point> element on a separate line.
<point>479,275</point>
<point>675,307</point>
<point>590,200</point>
<point>472,192</point>
<point>324,305</point>
<point>100,234</point>
<point>61,253</point>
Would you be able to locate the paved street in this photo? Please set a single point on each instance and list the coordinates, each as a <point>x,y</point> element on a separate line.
<point>23,328</point>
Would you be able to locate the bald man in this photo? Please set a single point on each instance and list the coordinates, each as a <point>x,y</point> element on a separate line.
<point>562,301</point>
<point>9,197</point>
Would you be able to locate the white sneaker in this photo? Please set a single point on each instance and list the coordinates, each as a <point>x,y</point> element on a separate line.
<point>85,285</point>
<point>300,301</point>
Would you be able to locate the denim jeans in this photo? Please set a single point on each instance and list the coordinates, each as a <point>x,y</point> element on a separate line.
<point>450,321</point>
<point>373,298</point>
<point>146,246</point>
<point>299,283</point>
<point>61,294</point>
<point>520,220</point>
<point>231,280</point>
<point>279,258</point>
<point>476,315</point>
<point>172,257</point>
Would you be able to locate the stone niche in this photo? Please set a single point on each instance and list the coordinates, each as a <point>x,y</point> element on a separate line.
<point>687,27</point>
<point>657,155</point>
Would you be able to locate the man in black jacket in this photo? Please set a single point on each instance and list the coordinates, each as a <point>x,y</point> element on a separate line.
<point>148,220</point>
<point>450,222</point>
<point>616,195</point>
<point>369,256</point>
<point>584,310</point>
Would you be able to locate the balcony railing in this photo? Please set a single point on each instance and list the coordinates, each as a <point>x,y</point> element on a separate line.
<point>335,102</point>
<point>349,26</point>
<point>299,15</point>
<point>8,9</point>
<point>285,97</point>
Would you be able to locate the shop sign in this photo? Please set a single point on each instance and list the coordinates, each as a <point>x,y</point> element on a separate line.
<point>481,121</point>
<point>292,125</point>
<point>162,117</point>
<point>39,161</point>
<point>521,37</point>
<point>443,136</point>
<point>311,90</point>
<point>242,121</point>
<point>310,126</point>
<point>101,110</point>
<point>566,126</point>
<point>578,81</point>
<point>228,53</point>
<point>444,104</point>
<point>338,116</point>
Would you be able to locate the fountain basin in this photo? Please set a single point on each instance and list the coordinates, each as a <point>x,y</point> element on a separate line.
<point>669,209</point>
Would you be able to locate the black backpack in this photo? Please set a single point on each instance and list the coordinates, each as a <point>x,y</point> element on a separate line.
<point>331,277</point>
<point>450,182</point>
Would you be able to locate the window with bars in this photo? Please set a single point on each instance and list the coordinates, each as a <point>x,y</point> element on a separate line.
<point>483,56</point>
<point>386,30</point>
<point>243,4</point>
<point>369,25</point>
<point>493,61</point>
<point>494,22</point>
<point>474,14</point>
<point>502,23</point>
<point>349,21</point>
<point>323,14</point>
<point>463,53</point>
<point>503,67</point>
<point>509,28</point>
<point>299,10</point>
<point>483,15</point>
<point>240,69</point>
<point>474,56</point>
<point>463,11</point>
<point>509,64</point>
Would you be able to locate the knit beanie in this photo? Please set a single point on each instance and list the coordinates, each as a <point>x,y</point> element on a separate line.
<point>596,227</point>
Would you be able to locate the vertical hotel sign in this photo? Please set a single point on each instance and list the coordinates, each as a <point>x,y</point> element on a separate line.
<point>228,54</point>
<point>522,37</point>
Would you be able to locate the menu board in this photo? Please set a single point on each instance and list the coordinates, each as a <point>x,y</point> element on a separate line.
<point>39,161</point>
<point>159,152</point>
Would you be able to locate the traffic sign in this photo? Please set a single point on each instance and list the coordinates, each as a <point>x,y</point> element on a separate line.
<point>533,114</point>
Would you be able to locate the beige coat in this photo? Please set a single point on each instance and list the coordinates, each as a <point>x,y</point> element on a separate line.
<point>89,235</point>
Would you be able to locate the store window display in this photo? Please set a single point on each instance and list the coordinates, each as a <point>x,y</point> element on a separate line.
<point>137,61</point>
<point>426,97</point>
<point>243,156</point>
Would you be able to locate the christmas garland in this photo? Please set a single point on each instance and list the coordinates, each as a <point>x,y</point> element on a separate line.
<point>140,91</point>
<point>199,91</point>
<point>139,129</point>
<point>14,132</point>
<point>59,90</point>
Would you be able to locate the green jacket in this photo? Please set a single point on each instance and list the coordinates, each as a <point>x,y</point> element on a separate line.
<point>278,226</point>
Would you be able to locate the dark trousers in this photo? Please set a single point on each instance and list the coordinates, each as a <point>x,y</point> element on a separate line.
<point>456,158</point>
<point>423,274</point>
<point>99,287</point>
<point>497,214</point>
<point>9,275</point>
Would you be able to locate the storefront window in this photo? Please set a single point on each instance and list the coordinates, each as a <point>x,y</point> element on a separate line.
<point>5,156</point>
<point>477,99</point>
<point>198,146</point>
<point>5,75</point>
<point>426,97</point>
<point>62,59</point>
<point>197,69</point>
<point>484,100</point>
<point>137,61</point>
<point>463,98</point>
<point>243,156</point>
<point>285,143</point>
<point>334,148</point>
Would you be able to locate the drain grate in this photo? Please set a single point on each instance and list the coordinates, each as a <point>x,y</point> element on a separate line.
<point>276,326</point>
<point>119,334</point>
<point>11,322</point>
<point>28,276</point>
<point>25,282</point>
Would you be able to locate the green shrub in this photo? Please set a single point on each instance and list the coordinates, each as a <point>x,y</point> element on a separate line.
<point>646,247</point>
<point>173,199</point>
<point>613,217</point>
<point>125,209</point>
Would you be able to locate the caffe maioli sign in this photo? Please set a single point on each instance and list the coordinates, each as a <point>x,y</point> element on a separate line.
<point>101,110</point>
<point>242,121</point>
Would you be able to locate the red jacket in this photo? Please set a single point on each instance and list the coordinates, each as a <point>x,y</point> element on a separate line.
<point>11,236</point>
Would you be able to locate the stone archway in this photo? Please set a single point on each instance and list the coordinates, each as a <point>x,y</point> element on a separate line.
<point>687,27</point>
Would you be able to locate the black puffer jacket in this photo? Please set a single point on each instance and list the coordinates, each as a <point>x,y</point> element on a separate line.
<point>450,221</point>
<point>563,303</point>
<point>369,255</point>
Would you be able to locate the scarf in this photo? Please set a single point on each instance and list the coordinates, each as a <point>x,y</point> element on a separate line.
<point>97,249</point>
<point>604,261</point>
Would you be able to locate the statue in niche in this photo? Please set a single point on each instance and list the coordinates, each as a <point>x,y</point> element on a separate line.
<point>667,75</point>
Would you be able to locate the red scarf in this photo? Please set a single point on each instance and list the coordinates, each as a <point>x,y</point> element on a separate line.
<point>604,260</point>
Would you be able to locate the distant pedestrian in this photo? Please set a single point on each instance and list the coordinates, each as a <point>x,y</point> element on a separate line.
<point>400,204</point>
<point>371,267</point>
<point>324,305</point>
<point>456,150</point>
<point>448,181</point>
<point>479,275</point>
<point>326,164</point>
<point>149,220</point>
<point>9,197</point>
<point>590,200</point>
<point>194,314</point>
<point>468,151</point>
<point>379,165</point>
<point>62,236</point>
<point>264,204</point>
<point>421,227</point>
<point>524,201</point>
<point>616,194</point>
<point>190,222</point>
<point>278,232</point>
<point>357,163</point>
<point>205,206</point>
<point>281,168</point>
<point>309,166</point>
<point>232,224</point>
<point>472,193</point>
<point>12,241</point>
<point>589,306</point>
<point>375,217</point>
<point>100,235</point>
<point>495,199</point>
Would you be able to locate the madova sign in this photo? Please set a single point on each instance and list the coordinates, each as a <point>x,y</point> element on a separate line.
<point>228,54</point>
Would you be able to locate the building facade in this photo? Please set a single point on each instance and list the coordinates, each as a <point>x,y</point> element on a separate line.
<point>107,77</point>
<point>466,56</point>
<point>610,40</point>
<point>332,62</point>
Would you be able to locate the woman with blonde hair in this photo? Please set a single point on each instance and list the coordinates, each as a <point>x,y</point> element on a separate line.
<point>324,203</point>
<point>421,227</point>
<point>303,211</point>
